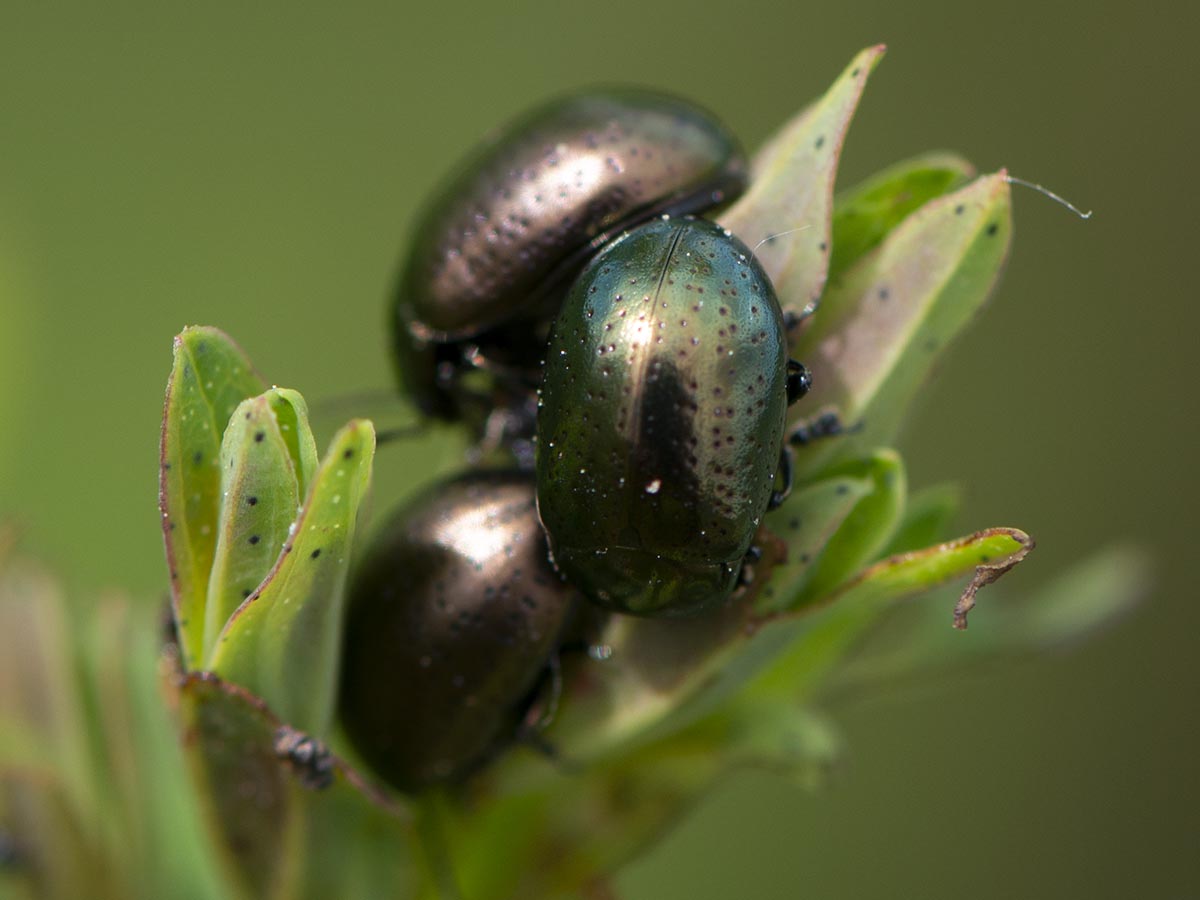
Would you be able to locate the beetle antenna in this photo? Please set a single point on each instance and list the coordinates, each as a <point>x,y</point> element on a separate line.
<point>1013,179</point>
<point>778,234</point>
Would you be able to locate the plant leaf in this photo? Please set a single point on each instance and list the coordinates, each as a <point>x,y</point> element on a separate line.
<point>864,214</point>
<point>864,533</point>
<point>785,738</point>
<point>210,377</point>
<point>283,642</point>
<point>927,513</point>
<point>785,216</point>
<point>986,555</point>
<point>277,830</point>
<point>665,674</point>
<point>1088,596</point>
<point>654,663</point>
<point>881,329</point>
<point>267,459</point>
<point>84,730</point>
<point>805,524</point>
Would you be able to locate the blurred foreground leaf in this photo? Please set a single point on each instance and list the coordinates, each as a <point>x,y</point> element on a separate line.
<point>283,838</point>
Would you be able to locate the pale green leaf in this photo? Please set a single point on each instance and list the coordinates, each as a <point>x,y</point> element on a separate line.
<point>863,535</point>
<point>805,524</point>
<point>882,327</point>
<point>283,642</point>
<point>864,214</point>
<point>927,514</point>
<point>267,457</point>
<point>210,377</point>
<point>785,216</point>
<point>821,639</point>
<point>1085,597</point>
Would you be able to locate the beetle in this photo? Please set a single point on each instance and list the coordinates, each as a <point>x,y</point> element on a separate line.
<point>660,432</point>
<point>496,247</point>
<point>454,618</point>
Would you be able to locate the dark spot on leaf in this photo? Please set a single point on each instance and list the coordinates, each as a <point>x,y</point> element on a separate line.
<point>884,293</point>
<point>315,553</point>
<point>246,592</point>
<point>254,539</point>
<point>854,74</point>
<point>258,436</point>
<point>992,229</point>
<point>252,500</point>
<point>347,454</point>
<point>958,210</point>
<point>822,246</point>
<point>197,457</point>
<point>820,142</point>
<point>842,490</point>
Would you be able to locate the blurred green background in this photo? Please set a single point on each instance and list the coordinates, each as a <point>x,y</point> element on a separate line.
<point>258,168</point>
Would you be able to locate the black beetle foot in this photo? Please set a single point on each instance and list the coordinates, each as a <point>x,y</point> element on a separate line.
<point>827,424</point>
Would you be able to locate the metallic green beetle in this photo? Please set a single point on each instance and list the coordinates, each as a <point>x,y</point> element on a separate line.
<point>660,430</point>
<point>454,619</point>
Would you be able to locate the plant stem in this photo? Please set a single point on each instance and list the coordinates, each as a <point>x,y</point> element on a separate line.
<point>432,831</point>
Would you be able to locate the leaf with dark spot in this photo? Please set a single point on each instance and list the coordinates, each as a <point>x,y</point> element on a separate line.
<point>283,642</point>
<point>785,216</point>
<point>867,358</point>
<point>210,377</point>
<point>262,484</point>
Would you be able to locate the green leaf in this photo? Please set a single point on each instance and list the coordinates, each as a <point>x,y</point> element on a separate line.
<point>790,740</point>
<point>267,460</point>
<point>819,641</point>
<point>1088,596</point>
<point>882,327</point>
<point>805,524</point>
<point>663,675</point>
<point>282,836</point>
<point>57,859</point>
<point>927,514</point>
<point>283,641</point>
<point>864,533</point>
<point>864,214</point>
<point>97,778</point>
<point>785,216</point>
<point>210,377</point>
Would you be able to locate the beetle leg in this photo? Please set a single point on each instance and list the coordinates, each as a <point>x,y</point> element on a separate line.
<point>785,472</point>
<point>827,424</point>
<point>799,381</point>
<point>542,712</point>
